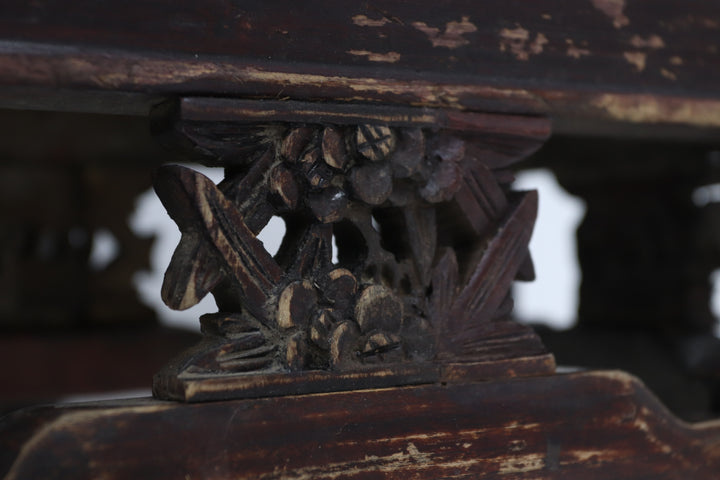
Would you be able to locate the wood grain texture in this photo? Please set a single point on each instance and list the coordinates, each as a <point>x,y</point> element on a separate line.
<point>575,60</point>
<point>587,425</point>
<point>394,187</point>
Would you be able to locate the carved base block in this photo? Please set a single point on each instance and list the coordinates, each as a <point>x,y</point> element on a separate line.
<point>168,384</point>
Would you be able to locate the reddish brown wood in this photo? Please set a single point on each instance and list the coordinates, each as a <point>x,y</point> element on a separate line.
<point>589,425</point>
<point>372,318</point>
<point>574,60</point>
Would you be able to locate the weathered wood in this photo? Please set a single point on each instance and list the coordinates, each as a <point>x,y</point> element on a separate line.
<point>374,316</point>
<point>192,201</point>
<point>190,110</point>
<point>573,60</point>
<point>587,425</point>
<point>489,278</point>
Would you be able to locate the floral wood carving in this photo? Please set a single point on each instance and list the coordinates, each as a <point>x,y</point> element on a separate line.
<point>429,239</point>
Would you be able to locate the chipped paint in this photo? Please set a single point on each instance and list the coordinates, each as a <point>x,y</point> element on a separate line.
<point>389,57</point>
<point>668,74</point>
<point>647,108</point>
<point>416,455</point>
<point>652,41</point>
<point>522,464</point>
<point>585,455</point>
<point>546,16</point>
<point>637,59</point>
<point>614,9</point>
<point>536,46</point>
<point>516,40</point>
<point>649,434</point>
<point>514,35</point>
<point>452,37</point>
<point>407,461</point>
<point>522,426</point>
<point>574,51</point>
<point>364,21</point>
<point>675,60</point>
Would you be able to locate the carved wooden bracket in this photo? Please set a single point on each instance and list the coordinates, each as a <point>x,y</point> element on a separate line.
<point>429,239</point>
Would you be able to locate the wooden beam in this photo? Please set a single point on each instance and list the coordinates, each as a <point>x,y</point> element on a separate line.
<point>578,61</point>
<point>586,425</point>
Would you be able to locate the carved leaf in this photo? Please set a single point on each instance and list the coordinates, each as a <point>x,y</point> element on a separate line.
<point>309,253</point>
<point>422,237</point>
<point>199,208</point>
<point>526,272</point>
<point>444,287</point>
<point>187,282</point>
<point>480,197</point>
<point>248,192</point>
<point>491,278</point>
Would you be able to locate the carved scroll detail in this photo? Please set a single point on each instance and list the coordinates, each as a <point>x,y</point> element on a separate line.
<point>429,235</point>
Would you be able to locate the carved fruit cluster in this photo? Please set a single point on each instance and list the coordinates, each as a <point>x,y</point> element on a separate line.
<point>343,323</point>
<point>398,201</point>
<point>327,168</point>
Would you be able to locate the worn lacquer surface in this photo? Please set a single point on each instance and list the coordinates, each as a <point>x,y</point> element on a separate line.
<point>429,239</point>
<point>591,426</point>
<point>572,58</point>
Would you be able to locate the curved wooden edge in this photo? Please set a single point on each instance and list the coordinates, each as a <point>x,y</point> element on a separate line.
<point>593,425</point>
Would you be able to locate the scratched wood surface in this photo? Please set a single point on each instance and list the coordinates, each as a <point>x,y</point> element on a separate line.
<point>583,59</point>
<point>588,425</point>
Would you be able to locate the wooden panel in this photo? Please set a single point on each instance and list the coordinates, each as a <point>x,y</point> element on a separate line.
<point>573,58</point>
<point>625,42</point>
<point>589,425</point>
